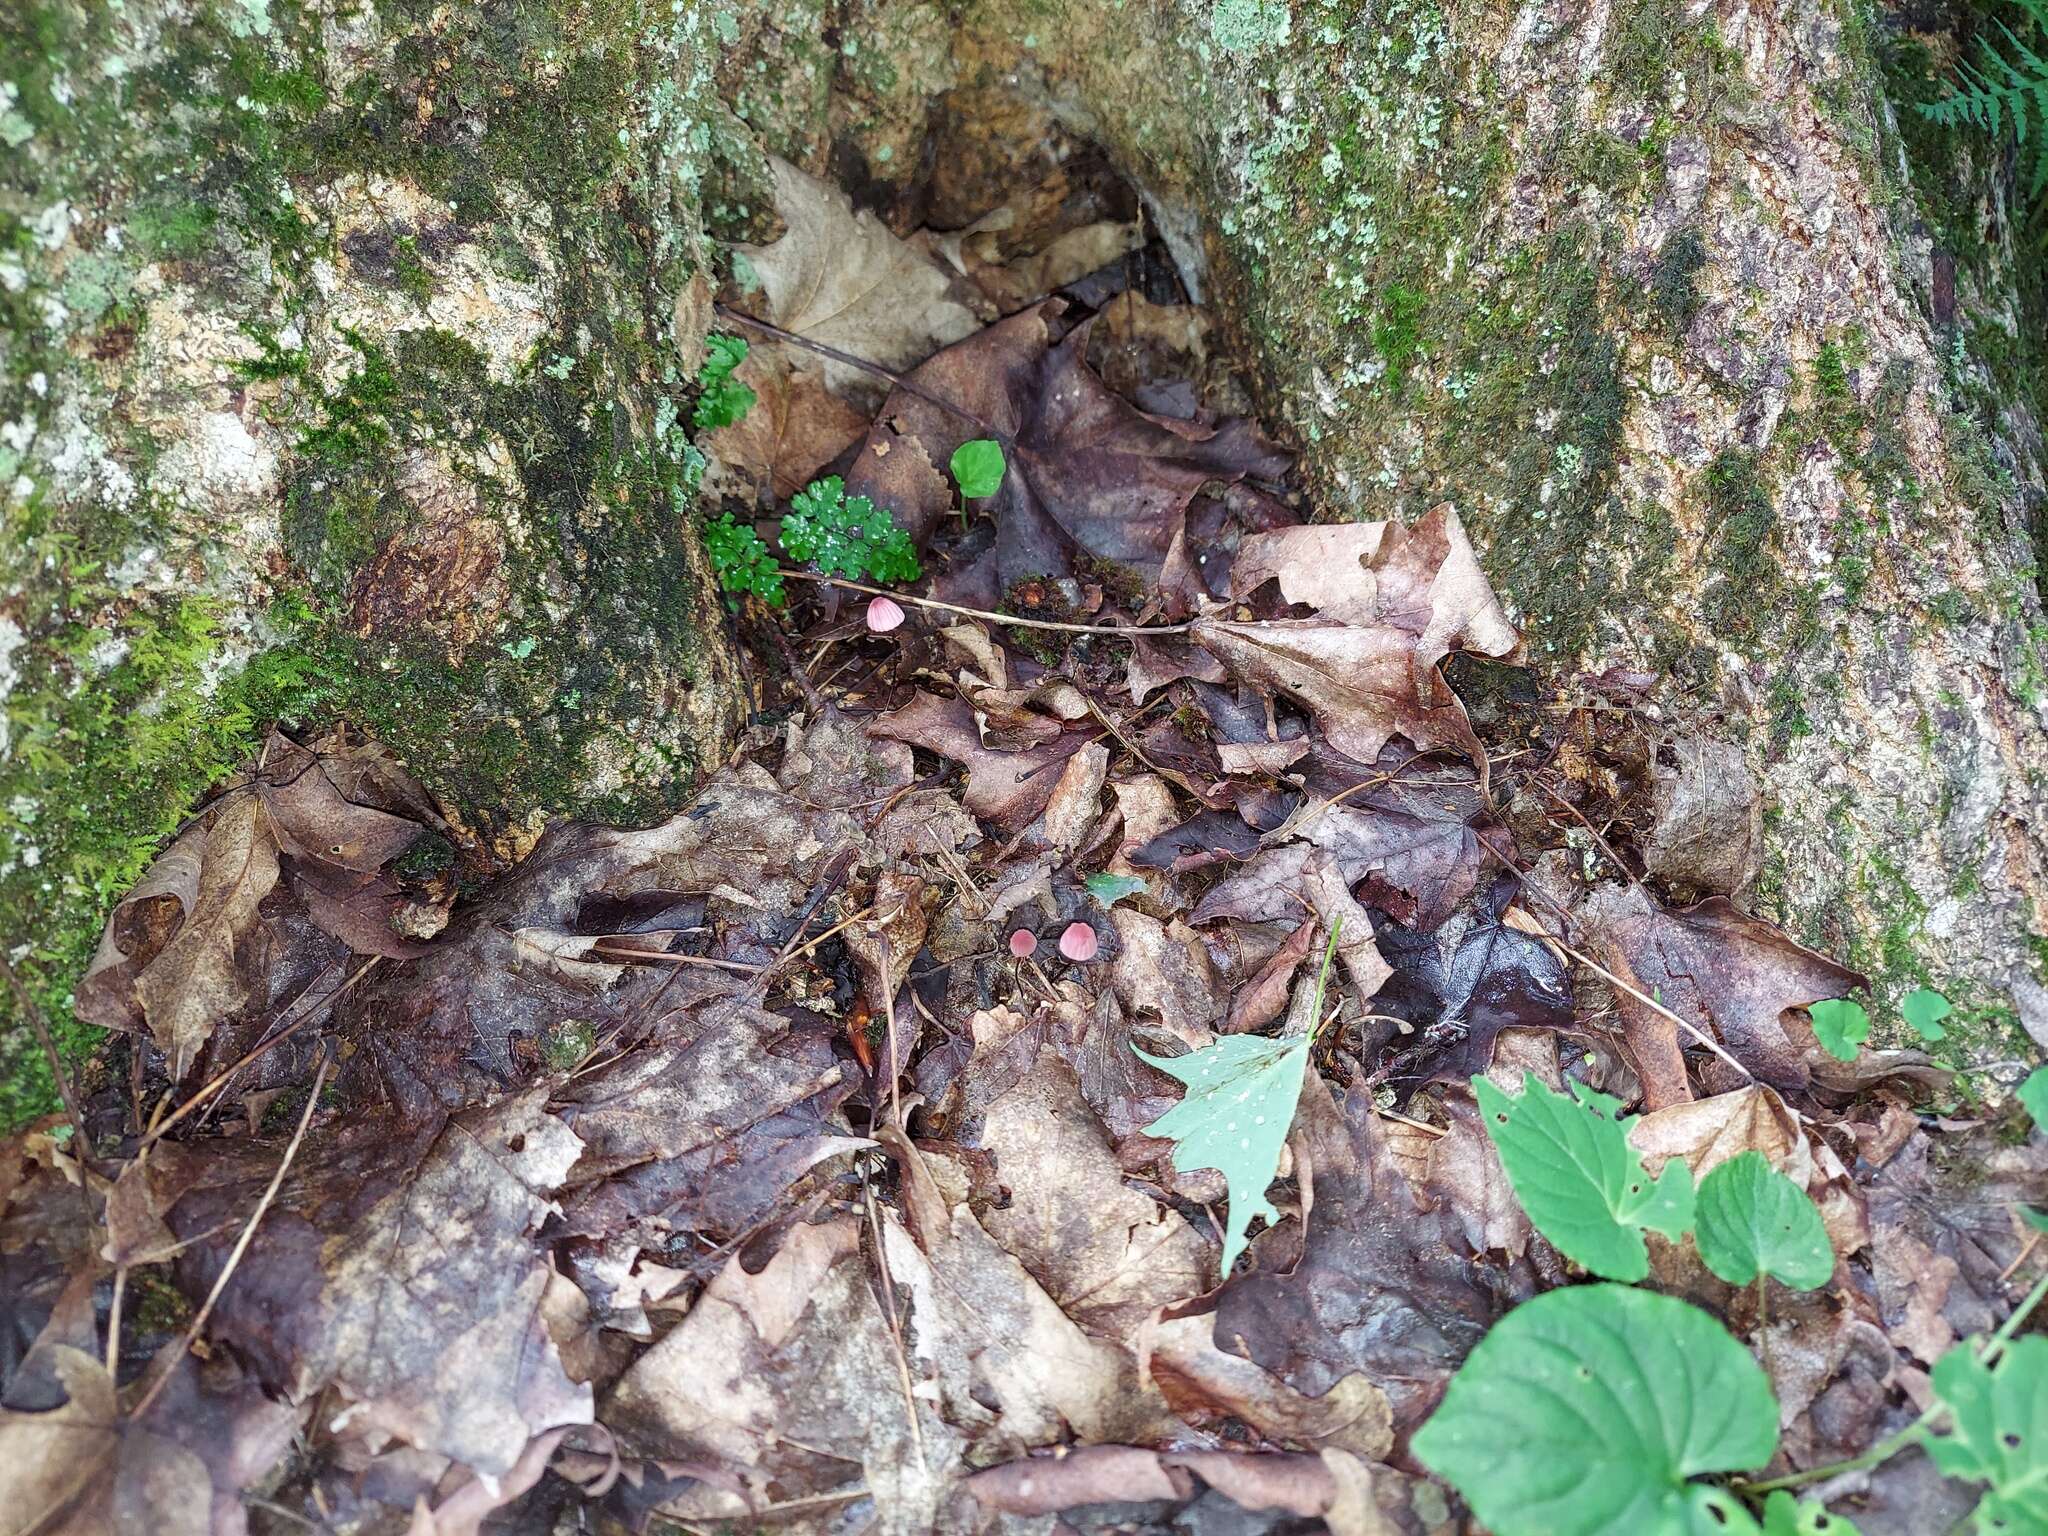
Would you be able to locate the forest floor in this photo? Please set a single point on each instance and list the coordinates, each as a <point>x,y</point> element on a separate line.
<point>1126,1044</point>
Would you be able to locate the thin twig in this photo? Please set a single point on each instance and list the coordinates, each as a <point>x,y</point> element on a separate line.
<point>851,361</point>
<point>743,966</point>
<point>1122,631</point>
<point>193,1329</point>
<point>114,1322</point>
<point>1602,972</point>
<point>158,1131</point>
<point>41,1026</point>
<point>889,1309</point>
<point>1613,857</point>
<point>889,1013</point>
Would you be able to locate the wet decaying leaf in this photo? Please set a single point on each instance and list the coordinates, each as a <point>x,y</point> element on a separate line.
<point>784,1164</point>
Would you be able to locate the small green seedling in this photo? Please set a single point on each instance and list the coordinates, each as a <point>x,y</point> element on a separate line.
<point>977,469</point>
<point>721,399</point>
<point>847,535</point>
<point>1579,1179</point>
<point>1588,1412</point>
<point>1924,1010</point>
<point>1750,1220</point>
<point>1841,1025</point>
<point>1110,889</point>
<point>1241,1094</point>
<point>741,561</point>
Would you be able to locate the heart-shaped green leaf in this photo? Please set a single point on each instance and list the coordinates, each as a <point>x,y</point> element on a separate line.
<point>1840,1025</point>
<point>1586,1411</point>
<point>1750,1217</point>
<point>978,467</point>
<point>1924,1009</point>
<point>1240,1101</point>
<point>1998,1432</point>
<point>1580,1180</point>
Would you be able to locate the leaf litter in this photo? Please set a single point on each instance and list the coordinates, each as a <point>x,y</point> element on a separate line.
<point>838,1155</point>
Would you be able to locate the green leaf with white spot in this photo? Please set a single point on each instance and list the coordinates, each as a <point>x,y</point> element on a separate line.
<point>1785,1515</point>
<point>1588,1411</point>
<point>978,467</point>
<point>1749,1217</point>
<point>1924,1009</point>
<point>1240,1102</point>
<point>1236,1113</point>
<point>2033,1095</point>
<point>1998,1432</point>
<point>1580,1180</point>
<point>1111,889</point>
<point>1841,1025</point>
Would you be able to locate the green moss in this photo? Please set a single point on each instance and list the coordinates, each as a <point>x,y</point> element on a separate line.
<point>1674,282</point>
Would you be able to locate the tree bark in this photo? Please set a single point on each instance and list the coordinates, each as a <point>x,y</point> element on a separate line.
<point>341,373</point>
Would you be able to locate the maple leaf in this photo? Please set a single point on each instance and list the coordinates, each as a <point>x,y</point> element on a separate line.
<point>1241,1093</point>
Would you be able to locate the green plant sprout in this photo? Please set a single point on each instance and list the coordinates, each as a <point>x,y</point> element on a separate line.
<point>977,470</point>
<point>1596,1408</point>
<point>1581,1182</point>
<point>721,399</point>
<point>2033,1096</point>
<point>1240,1100</point>
<point>1924,1009</point>
<point>1841,1025</point>
<point>847,535</point>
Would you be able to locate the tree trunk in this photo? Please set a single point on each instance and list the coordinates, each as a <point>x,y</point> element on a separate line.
<point>343,345</point>
<point>341,373</point>
<point>1720,348</point>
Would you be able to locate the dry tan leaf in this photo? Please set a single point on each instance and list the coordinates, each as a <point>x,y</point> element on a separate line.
<point>1107,1255</point>
<point>841,278</point>
<point>796,427</point>
<point>1206,1384</point>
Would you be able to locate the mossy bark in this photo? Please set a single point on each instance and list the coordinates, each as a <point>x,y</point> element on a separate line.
<point>344,348</point>
<point>1721,348</point>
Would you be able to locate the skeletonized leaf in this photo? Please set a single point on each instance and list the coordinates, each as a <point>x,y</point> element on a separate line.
<point>1579,1179</point>
<point>1240,1101</point>
<point>1588,1410</point>
<point>1750,1217</point>
<point>1998,1432</point>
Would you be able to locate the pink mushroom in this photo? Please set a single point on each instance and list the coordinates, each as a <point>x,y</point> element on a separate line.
<point>884,614</point>
<point>1023,943</point>
<point>1079,943</point>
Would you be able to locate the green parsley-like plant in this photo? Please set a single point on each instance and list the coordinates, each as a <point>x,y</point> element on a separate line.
<point>847,535</point>
<point>741,560</point>
<point>721,399</point>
